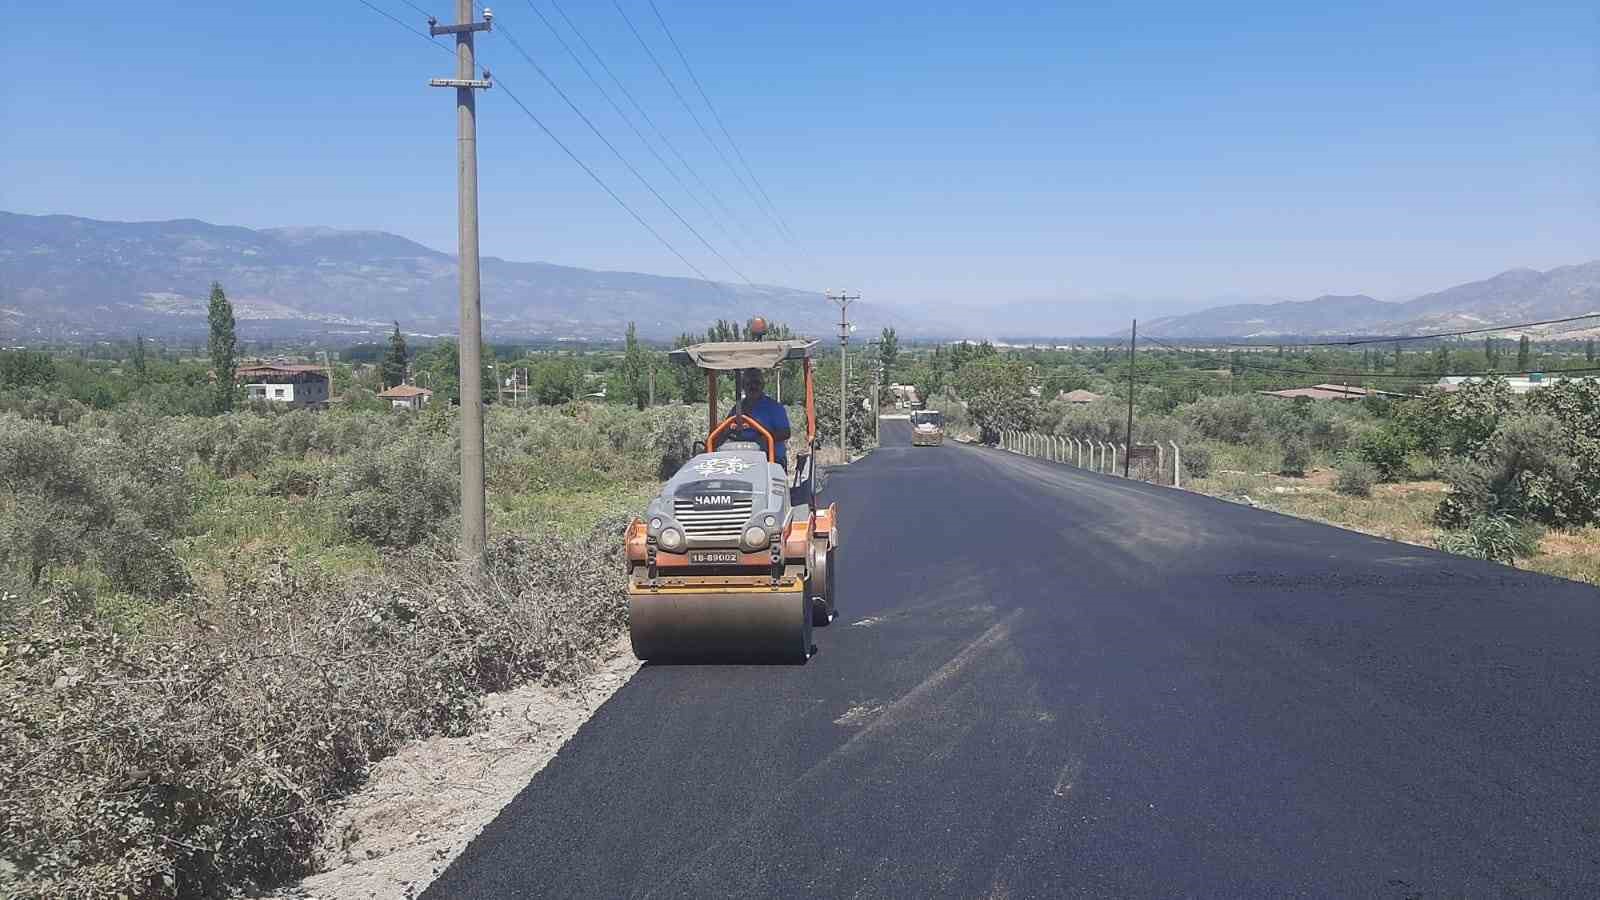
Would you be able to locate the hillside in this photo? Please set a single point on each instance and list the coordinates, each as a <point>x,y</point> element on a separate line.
<point>69,277</point>
<point>1516,296</point>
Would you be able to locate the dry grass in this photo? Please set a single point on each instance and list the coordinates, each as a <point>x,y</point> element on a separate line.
<point>1400,512</point>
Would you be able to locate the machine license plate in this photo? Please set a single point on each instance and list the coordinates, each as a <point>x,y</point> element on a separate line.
<point>714,557</point>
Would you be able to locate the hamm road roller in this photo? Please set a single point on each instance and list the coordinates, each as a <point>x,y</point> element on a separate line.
<point>927,428</point>
<point>734,560</point>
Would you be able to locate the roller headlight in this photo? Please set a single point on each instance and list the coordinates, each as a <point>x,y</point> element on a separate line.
<point>671,539</point>
<point>770,521</point>
<point>755,537</point>
<point>655,524</point>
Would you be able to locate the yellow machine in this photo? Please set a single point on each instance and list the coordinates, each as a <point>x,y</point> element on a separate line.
<point>734,559</point>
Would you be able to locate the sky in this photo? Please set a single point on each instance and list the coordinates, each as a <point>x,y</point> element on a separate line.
<point>1098,160</point>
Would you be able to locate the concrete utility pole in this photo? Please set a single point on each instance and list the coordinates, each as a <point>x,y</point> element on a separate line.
<point>1127,458</point>
<point>474,523</point>
<point>844,299</point>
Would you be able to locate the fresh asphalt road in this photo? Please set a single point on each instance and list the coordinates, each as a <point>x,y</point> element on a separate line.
<point>1046,682</point>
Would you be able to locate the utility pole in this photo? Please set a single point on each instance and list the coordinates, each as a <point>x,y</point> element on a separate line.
<point>1133,342</point>
<point>474,523</point>
<point>844,299</point>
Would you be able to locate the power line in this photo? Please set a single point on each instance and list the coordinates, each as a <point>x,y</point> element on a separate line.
<point>1356,342</point>
<point>711,192</point>
<point>419,9</point>
<point>682,100</point>
<point>632,127</point>
<point>620,158</point>
<point>772,210</point>
<point>401,22</point>
<point>500,83</point>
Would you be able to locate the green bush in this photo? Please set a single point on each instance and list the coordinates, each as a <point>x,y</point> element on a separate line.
<point>1531,468</point>
<point>396,496</point>
<point>1385,450</point>
<point>1355,478</point>
<point>291,478</point>
<point>1196,460</point>
<point>1496,538</point>
<point>1296,456</point>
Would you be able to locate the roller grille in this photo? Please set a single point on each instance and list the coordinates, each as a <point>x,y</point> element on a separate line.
<point>723,522</point>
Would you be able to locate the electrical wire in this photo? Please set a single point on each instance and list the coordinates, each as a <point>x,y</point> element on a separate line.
<point>661,135</point>
<point>771,209</point>
<point>402,23</point>
<point>500,83</point>
<point>681,99</point>
<point>510,39</point>
<point>726,233</point>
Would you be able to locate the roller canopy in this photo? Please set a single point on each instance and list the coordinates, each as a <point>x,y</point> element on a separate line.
<point>726,356</point>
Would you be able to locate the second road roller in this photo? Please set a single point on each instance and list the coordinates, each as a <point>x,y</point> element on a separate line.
<point>735,559</point>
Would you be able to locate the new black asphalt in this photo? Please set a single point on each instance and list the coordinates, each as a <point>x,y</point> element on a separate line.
<point>1046,682</point>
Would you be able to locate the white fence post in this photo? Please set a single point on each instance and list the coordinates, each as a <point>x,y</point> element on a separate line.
<point>1177,465</point>
<point>1113,469</point>
<point>1161,463</point>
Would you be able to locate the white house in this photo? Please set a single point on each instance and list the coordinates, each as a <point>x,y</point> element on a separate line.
<point>407,396</point>
<point>293,385</point>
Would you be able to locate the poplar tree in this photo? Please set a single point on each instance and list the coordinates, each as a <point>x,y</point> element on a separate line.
<point>223,343</point>
<point>395,359</point>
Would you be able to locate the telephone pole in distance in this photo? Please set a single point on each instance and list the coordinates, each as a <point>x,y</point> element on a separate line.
<point>474,522</point>
<point>844,299</point>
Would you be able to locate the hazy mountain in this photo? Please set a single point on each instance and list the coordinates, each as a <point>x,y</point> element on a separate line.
<point>62,276</point>
<point>1520,295</point>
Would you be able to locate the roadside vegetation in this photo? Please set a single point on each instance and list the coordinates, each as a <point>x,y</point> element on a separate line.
<point>1478,471</point>
<point>215,615</point>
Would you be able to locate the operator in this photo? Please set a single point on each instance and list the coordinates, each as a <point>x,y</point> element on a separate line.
<point>769,412</point>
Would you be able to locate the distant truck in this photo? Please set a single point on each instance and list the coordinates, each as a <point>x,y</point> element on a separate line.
<point>927,428</point>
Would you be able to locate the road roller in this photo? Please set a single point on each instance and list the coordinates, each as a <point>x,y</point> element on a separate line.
<point>927,428</point>
<point>734,558</point>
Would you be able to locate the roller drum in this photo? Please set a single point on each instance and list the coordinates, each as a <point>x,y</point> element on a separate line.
<point>764,626</point>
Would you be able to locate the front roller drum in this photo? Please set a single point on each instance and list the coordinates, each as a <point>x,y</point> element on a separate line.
<point>761,626</point>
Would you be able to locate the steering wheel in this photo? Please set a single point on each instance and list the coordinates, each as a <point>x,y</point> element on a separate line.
<point>763,435</point>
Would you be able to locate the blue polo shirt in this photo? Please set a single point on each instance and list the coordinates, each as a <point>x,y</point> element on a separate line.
<point>774,418</point>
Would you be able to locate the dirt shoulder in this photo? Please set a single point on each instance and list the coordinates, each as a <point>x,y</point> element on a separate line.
<point>421,807</point>
<point>1400,512</point>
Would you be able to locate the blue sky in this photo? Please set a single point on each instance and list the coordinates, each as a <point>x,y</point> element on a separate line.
<point>1126,157</point>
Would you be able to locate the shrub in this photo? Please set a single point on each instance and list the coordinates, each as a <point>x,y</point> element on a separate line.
<point>1496,538</point>
<point>1530,469</point>
<point>1385,450</point>
<point>1355,478</point>
<point>396,496</point>
<point>194,760</point>
<point>290,478</point>
<point>1296,456</point>
<point>1196,460</point>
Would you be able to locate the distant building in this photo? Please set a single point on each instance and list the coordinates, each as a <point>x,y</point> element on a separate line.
<point>292,385</point>
<point>407,396</point>
<point>1329,392</point>
<point>1519,384</point>
<point>1079,396</point>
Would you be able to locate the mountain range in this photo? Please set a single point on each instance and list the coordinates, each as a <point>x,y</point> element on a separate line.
<point>69,278</point>
<point>1510,298</point>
